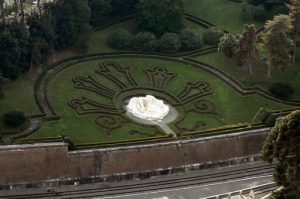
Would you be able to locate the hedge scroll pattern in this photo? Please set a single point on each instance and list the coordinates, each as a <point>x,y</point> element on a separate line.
<point>112,116</point>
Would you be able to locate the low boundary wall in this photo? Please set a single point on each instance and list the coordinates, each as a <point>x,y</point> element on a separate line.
<point>45,164</point>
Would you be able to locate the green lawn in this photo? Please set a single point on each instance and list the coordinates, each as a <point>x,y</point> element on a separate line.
<point>232,108</point>
<point>19,96</point>
<point>259,78</point>
<point>223,13</point>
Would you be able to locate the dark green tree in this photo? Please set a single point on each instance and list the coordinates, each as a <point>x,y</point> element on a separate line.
<point>189,39</point>
<point>14,50</point>
<point>41,37</point>
<point>160,16</point>
<point>81,14</point>
<point>121,7</point>
<point>283,144</point>
<point>99,9</point>
<point>169,43</point>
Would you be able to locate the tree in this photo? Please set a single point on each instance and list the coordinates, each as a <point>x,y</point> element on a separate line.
<point>120,39</point>
<point>189,39</point>
<point>169,43</point>
<point>247,51</point>
<point>228,44</point>
<point>143,41</point>
<point>276,42</point>
<point>41,37</point>
<point>295,18</point>
<point>160,16</point>
<point>22,12</point>
<point>283,144</point>
<point>121,7</point>
<point>81,14</point>
<point>99,9</point>
<point>2,11</point>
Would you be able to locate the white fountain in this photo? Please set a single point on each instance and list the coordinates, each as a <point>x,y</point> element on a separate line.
<point>151,111</point>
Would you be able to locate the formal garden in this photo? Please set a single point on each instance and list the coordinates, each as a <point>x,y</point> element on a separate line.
<point>218,75</point>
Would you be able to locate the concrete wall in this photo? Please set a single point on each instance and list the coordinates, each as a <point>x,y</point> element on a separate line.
<point>41,162</point>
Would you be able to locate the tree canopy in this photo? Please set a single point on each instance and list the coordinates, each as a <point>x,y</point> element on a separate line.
<point>160,16</point>
<point>283,144</point>
<point>276,42</point>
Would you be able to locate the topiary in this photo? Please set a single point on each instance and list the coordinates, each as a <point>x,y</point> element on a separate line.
<point>120,39</point>
<point>14,119</point>
<point>143,41</point>
<point>190,39</point>
<point>282,90</point>
<point>212,36</point>
<point>169,43</point>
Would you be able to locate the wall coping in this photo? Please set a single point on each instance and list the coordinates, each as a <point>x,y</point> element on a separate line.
<point>31,146</point>
<point>168,143</point>
<point>133,147</point>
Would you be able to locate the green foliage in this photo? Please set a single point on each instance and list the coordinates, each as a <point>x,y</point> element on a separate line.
<point>246,51</point>
<point>120,39</point>
<point>169,43</point>
<point>41,37</point>
<point>212,36</point>
<point>283,144</point>
<point>283,90</point>
<point>99,9</point>
<point>189,39</point>
<point>81,14</point>
<point>14,119</point>
<point>228,44</point>
<point>160,16</point>
<point>276,42</point>
<point>14,50</point>
<point>144,41</point>
<point>121,7</point>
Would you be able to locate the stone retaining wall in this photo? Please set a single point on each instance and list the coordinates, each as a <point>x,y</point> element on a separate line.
<point>29,164</point>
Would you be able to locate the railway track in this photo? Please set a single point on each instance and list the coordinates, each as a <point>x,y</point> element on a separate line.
<point>177,181</point>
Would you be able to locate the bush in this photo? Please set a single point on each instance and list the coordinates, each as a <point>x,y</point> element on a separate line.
<point>189,39</point>
<point>120,39</point>
<point>144,41</point>
<point>228,44</point>
<point>248,11</point>
<point>260,14</point>
<point>14,119</point>
<point>212,36</point>
<point>283,90</point>
<point>169,43</point>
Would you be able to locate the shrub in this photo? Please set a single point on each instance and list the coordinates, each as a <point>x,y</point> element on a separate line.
<point>212,35</point>
<point>248,11</point>
<point>283,90</point>
<point>144,41</point>
<point>189,39</point>
<point>120,39</point>
<point>169,43</point>
<point>260,14</point>
<point>228,44</point>
<point>14,119</point>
